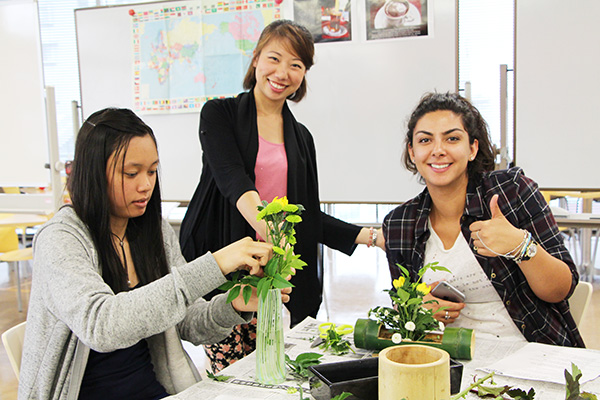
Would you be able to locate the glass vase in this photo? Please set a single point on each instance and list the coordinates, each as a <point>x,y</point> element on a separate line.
<point>270,349</point>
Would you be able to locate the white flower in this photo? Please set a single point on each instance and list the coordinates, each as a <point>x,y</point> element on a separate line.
<point>396,338</point>
<point>422,311</point>
<point>410,326</point>
<point>397,318</point>
<point>386,313</point>
<point>442,326</point>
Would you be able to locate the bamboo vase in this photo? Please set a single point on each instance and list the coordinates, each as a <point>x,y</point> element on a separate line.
<point>414,372</point>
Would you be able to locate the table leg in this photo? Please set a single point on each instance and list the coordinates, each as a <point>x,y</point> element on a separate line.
<point>586,250</point>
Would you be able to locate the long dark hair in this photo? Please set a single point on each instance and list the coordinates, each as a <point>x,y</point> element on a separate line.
<point>301,43</point>
<point>106,132</point>
<point>472,121</point>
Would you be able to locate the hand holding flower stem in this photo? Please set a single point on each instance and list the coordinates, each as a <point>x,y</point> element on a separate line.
<point>280,217</point>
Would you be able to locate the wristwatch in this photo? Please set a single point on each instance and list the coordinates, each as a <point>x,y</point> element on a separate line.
<point>530,252</point>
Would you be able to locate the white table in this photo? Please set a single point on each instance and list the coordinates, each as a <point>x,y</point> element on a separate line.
<point>586,222</point>
<point>241,385</point>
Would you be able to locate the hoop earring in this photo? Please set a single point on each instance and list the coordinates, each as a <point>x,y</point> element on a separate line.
<point>291,96</point>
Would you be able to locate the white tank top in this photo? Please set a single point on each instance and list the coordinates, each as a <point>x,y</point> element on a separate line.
<point>484,311</point>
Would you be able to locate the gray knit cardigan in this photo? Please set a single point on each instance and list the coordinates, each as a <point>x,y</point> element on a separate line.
<point>72,309</point>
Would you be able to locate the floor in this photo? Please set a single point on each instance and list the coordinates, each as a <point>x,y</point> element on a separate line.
<point>352,286</point>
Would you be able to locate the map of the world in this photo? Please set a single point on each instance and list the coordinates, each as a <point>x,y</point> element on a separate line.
<point>193,52</point>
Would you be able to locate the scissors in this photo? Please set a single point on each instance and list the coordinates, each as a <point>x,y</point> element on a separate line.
<point>326,326</point>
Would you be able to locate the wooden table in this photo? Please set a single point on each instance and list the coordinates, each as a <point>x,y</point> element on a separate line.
<point>22,221</point>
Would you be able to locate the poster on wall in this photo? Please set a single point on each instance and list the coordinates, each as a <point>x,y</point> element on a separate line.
<point>396,18</point>
<point>327,20</point>
<point>193,51</point>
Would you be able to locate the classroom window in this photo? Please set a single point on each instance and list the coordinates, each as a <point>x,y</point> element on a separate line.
<point>59,57</point>
<point>485,41</point>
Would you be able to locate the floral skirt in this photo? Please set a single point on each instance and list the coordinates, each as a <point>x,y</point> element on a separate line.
<point>240,343</point>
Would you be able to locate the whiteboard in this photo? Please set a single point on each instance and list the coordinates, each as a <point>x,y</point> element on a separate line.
<point>359,96</point>
<point>556,92</point>
<point>23,137</point>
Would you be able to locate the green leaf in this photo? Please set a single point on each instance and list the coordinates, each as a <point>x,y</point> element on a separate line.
<point>252,280</point>
<point>298,264</point>
<point>274,208</point>
<point>247,293</point>
<point>292,208</point>
<point>280,282</point>
<point>294,219</point>
<point>271,267</point>
<point>416,300</point>
<point>262,213</point>
<point>278,250</point>
<point>491,390</point>
<point>227,285</point>
<point>403,295</point>
<point>572,383</point>
<point>233,293</point>
<point>518,394</point>
<point>590,396</point>
<point>404,270</point>
<point>308,358</point>
<point>218,378</point>
<point>341,396</point>
<point>267,284</point>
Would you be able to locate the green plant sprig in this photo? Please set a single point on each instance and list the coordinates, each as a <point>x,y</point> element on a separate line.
<point>409,318</point>
<point>299,366</point>
<point>334,342</point>
<point>280,217</point>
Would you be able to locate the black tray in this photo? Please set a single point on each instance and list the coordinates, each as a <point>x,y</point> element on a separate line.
<point>359,377</point>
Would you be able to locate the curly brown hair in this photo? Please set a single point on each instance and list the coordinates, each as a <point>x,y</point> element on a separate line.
<point>472,121</point>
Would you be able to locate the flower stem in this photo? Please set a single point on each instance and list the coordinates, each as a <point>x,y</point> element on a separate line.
<point>472,386</point>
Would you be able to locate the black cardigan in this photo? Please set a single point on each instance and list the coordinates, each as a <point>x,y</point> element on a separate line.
<point>229,139</point>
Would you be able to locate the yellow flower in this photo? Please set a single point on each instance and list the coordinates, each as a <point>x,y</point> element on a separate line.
<point>423,288</point>
<point>398,283</point>
<point>283,201</point>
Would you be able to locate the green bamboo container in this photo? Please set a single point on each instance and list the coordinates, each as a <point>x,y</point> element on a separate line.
<point>458,342</point>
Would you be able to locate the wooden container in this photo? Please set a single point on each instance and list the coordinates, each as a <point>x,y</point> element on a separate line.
<point>414,372</point>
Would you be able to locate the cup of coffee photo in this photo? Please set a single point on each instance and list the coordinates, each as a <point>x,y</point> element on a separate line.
<point>395,11</point>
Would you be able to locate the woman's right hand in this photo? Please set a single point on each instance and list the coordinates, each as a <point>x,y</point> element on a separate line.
<point>452,310</point>
<point>244,254</point>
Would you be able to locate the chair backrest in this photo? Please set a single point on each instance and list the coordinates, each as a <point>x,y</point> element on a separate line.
<point>580,300</point>
<point>13,342</point>
<point>9,240</point>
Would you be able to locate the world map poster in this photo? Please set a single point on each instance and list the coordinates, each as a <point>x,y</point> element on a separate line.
<point>195,51</point>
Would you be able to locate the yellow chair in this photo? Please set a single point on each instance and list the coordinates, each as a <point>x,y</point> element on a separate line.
<point>10,253</point>
<point>13,343</point>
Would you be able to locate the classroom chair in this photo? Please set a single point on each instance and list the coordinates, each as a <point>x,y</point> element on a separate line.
<point>580,300</point>
<point>11,254</point>
<point>13,343</point>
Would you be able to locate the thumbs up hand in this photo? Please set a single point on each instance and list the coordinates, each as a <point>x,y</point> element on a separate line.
<point>496,236</point>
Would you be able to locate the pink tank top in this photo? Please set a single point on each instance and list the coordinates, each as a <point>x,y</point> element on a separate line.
<point>270,170</point>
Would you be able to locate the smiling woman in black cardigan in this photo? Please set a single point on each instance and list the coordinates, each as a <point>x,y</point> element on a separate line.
<point>223,208</point>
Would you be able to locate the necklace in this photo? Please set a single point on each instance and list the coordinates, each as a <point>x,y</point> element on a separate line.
<point>122,244</point>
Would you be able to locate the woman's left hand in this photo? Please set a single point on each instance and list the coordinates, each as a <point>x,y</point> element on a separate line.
<point>496,235</point>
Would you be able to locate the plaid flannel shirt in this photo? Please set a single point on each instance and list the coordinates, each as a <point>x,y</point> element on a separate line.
<point>406,232</point>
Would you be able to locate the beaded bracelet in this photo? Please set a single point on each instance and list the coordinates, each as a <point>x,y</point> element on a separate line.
<point>374,236</point>
<point>518,251</point>
<point>370,242</point>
